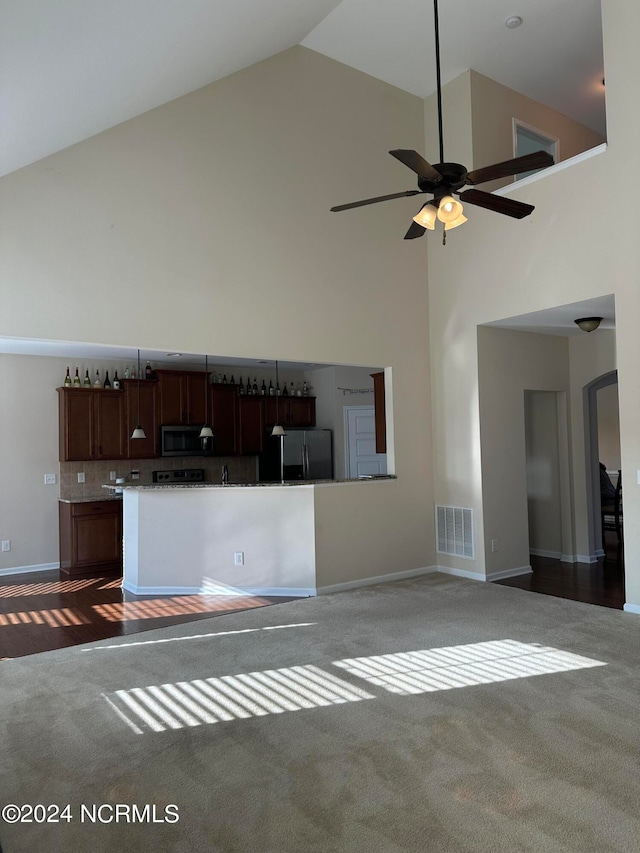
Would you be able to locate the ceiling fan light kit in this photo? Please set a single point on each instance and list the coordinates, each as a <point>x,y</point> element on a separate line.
<point>446,179</point>
<point>426,216</point>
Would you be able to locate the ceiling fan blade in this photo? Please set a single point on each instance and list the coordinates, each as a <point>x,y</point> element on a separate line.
<point>374,200</point>
<point>414,231</point>
<point>498,203</point>
<point>527,163</point>
<point>417,163</point>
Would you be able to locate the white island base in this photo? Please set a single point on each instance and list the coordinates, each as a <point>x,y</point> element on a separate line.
<point>183,541</point>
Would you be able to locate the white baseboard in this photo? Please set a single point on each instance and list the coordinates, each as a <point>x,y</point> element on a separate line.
<point>237,592</point>
<point>493,576</point>
<point>582,558</point>
<point>293,592</point>
<point>568,558</point>
<point>160,590</point>
<point>461,573</point>
<point>632,608</point>
<point>551,555</point>
<point>510,573</point>
<point>23,570</point>
<point>394,576</point>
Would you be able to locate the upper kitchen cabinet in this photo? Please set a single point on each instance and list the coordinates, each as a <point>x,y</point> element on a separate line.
<point>90,424</point>
<point>223,404</point>
<point>379,408</point>
<point>144,413</point>
<point>180,397</point>
<point>251,415</point>
<point>291,411</point>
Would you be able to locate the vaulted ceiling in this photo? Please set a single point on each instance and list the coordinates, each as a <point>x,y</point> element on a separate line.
<point>72,68</point>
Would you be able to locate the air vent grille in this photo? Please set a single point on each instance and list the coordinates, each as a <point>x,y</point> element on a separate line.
<point>454,528</point>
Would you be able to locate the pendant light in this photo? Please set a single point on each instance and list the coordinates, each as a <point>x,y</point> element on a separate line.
<point>138,431</point>
<point>277,428</point>
<point>206,432</point>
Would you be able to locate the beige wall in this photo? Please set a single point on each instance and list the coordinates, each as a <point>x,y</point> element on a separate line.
<point>495,267</point>
<point>477,115</point>
<point>457,130</point>
<point>493,109</point>
<point>204,226</point>
<point>544,503</point>
<point>510,363</point>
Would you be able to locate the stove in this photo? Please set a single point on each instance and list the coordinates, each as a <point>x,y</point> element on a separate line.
<point>179,475</point>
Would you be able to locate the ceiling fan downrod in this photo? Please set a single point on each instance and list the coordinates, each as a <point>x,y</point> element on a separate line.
<point>438,78</point>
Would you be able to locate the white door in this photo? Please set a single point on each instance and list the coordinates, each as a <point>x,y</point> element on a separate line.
<point>360,443</point>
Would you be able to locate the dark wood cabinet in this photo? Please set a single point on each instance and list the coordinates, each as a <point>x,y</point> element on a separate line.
<point>292,411</point>
<point>147,417</point>
<point>251,417</point>
<point>380,417</point>
<point>223,406</point>
<point>90,424</point>
<point>181,397</point>
<point>300,412</point>
<point>90,537</point>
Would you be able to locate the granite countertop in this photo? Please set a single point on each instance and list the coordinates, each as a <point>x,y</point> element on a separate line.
<point>91,499</point>
<point>149,486</point>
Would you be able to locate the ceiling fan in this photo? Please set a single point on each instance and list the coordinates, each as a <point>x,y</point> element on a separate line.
<point>444,180</point>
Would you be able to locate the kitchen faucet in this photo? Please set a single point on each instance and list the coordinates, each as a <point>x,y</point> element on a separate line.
<point>225,475</point>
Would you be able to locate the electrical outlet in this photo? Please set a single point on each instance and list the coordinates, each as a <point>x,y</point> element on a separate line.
<point>112,475</point>
<point>6,544</point>
<point>494,546</point>
<point>238,558</point>
<point>49,479</point>
<point>81,477</point>
<point>135,475</point>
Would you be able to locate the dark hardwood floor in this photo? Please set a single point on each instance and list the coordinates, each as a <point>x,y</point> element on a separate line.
<point>592,583</point>
<point>40,612</point>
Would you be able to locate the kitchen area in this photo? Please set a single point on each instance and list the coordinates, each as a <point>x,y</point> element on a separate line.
<point>241,526</point>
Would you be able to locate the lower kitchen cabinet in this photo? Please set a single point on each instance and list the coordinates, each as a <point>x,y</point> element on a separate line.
<point>90,537</point>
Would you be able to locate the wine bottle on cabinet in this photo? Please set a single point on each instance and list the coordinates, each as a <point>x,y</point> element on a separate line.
<point>116,381</point>
<point>76,379</point>
<point>285,392</point>
<point>263,388</point>
<point>255,385</point>
<point>148,371</point>
<point>86,381</point>
<point>271,388</point>
<point>96,382</point>
<point>67,379</point>
<point>232,381</point>
<point>305,390</point>
<point>107,381</point>
<point>241,386</point>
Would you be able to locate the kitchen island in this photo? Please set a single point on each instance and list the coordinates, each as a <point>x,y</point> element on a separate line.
<point>259,539</point>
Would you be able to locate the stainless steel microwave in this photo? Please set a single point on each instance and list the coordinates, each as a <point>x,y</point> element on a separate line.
<point>184,441</point>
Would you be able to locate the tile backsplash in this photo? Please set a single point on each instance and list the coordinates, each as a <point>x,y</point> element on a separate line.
<point>242,469</point>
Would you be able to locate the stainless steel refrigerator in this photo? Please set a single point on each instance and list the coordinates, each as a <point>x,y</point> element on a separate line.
<point>307,454</point>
